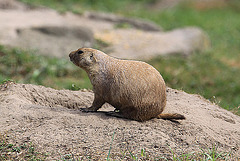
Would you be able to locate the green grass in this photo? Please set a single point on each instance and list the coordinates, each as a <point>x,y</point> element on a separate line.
<point>79,6</point>
<point>26,67</point>
<point>24,151</point>
<point>27,151</point>
<point>202,74</point>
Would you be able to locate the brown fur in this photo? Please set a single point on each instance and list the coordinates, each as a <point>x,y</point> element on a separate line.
<point>134,88</point>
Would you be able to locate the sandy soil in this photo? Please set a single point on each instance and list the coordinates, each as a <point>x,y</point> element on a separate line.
<point>51,120</point>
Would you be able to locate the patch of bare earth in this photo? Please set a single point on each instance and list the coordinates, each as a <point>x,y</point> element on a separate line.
<point>51,120</point>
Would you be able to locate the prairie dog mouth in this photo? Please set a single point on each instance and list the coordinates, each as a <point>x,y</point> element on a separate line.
<point>74,58</point>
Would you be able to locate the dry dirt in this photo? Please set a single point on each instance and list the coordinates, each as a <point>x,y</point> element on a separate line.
<point>51,120</point>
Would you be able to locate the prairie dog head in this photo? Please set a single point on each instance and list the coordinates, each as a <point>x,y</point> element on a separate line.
<point>83,58</point>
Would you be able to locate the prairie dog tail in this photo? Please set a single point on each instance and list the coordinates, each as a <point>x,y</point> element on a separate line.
<point>170,116</point>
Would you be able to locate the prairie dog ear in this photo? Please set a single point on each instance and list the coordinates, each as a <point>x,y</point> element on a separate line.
<point>92,57</point>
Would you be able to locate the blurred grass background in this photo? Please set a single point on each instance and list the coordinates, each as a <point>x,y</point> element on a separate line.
<point>215,74</point>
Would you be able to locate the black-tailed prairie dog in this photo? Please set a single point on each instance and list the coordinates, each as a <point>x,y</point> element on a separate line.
<point>134,88</point>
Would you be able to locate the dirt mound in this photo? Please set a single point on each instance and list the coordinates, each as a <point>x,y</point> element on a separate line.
<point>51,120</point>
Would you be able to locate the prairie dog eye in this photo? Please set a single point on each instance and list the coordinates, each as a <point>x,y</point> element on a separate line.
<point>80,52</point>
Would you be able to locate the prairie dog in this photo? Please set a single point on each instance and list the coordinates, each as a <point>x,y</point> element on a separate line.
<point>134,88</point>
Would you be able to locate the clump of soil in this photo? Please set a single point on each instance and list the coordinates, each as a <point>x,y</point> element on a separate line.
<point>52,121</point>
